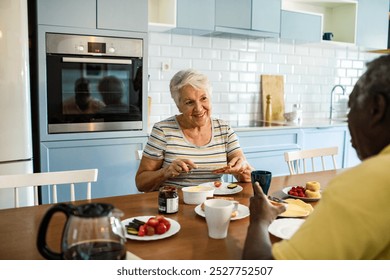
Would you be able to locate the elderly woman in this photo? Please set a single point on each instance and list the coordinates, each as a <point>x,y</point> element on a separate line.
<point>186,149</point>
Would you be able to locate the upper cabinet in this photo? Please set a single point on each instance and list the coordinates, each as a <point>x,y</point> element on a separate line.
<point>248,17</point>
<point>373,24</point>
<point>196,16</point>
<point>162,14</point>
<point>302,27</point>
<point>363,23</point>
<point>124,15</point>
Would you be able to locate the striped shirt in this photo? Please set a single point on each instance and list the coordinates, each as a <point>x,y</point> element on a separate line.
<point>167,142</point>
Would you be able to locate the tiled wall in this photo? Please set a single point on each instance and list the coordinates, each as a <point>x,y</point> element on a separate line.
<point>234,67</point>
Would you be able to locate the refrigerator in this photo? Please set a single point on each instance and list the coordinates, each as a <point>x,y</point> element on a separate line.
<point>15,110</point>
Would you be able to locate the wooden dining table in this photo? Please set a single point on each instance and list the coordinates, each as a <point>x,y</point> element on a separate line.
<point>19,226</point>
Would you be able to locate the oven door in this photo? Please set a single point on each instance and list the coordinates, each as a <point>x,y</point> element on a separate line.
<point>88,94</point>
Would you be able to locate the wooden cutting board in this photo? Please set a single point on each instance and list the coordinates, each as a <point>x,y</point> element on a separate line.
<point>274,86</point>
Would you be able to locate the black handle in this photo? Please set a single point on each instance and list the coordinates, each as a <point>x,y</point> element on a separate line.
<point>43,248</point>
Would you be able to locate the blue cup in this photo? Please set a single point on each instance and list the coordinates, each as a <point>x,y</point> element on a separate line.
<point>263,178</point>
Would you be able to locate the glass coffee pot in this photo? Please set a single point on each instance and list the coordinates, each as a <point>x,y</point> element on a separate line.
<point>92,231</point>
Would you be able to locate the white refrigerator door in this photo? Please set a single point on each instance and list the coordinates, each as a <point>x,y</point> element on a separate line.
<point>15,108</point>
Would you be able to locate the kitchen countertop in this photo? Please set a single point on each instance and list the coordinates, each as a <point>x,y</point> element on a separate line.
<point>310,123</point>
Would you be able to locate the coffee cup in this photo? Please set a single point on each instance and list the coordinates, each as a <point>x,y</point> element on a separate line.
<point>327,36</point>
<point>263,178</point>
<point>218,213</point>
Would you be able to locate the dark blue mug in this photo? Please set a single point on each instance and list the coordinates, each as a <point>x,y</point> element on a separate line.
<point>263,178</point>
<point>327,36</point>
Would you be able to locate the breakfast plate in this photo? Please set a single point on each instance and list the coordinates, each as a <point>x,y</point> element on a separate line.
<point>309,199</point>
<point>175,227</point>
<point>223,189</point>
<point>296,208</point>
<point>243,211</point>
<point>285,228</point>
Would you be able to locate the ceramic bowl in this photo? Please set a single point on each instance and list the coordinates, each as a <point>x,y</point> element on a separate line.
<point>290,116</point>
<point>197,194</point>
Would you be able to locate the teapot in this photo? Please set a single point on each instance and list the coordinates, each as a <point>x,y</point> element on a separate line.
<point>92,231</point>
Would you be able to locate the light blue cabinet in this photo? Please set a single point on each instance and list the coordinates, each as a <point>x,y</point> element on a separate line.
<point>372,23</point>
<point>301,26</point>
<point>264,149</point>
<point>188,15</point>
<point>248,17</point>
<point>115,160</point>
<point>124,15</point>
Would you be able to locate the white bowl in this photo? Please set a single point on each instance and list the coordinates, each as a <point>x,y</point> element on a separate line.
<point>197,194</point>
<point>290,116</point>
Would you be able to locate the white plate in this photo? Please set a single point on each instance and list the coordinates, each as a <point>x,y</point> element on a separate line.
<point>175,227</point>
<point>243,211</point>
<point>223,190</point>
<point>285,190</point>
<point>285,228</point>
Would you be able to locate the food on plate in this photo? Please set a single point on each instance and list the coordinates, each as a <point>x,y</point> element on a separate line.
<point>217,184</point>
<point>313,186</point>
<point>222,169</point>
<point>296,208</point>
<point>312,194</point>
<point>297,191</point>
<point>232,186</point>
<point>235,211</point>
<point>313,189</point>
<point>155,225</point>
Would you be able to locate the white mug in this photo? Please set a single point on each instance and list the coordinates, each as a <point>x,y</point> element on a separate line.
<point>218,213</point>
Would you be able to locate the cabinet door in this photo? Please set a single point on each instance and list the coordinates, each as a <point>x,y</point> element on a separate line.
<point>115,160</point>
<point>127,15</point>
<point>233,13</point>
<point>189,11</point>
<point>266,15</point>
<point>326,137</point>
<point>372,23</point>
<point>73,13</point>
<point>301,26</point>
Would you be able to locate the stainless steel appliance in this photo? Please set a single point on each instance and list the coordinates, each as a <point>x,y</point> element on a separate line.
<point>94,83</point>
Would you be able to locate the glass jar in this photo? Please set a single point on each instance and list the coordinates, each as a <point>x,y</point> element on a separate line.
<point>168,200</point>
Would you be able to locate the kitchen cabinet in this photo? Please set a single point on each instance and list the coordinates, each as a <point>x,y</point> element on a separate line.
<point>323,137</point>
<point>162,14</point>
<point>302,27</point>
<point>188,16</point>
<point>373,24</point>
<point>248,17</point>
<point>264,149</point>
<point>124,15</point>
<point>363,22</point>
<point>114,158</point>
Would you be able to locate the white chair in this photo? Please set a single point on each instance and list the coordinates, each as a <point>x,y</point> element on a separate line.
<point>50,179</point>
<point>138,154</point>
<point>297,159</point>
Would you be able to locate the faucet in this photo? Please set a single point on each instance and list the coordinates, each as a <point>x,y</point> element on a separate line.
<point>331,109</point>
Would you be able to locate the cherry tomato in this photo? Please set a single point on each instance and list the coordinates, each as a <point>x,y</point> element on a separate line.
<point>217,184</point>
<point>150,230</point>
<point>141,230</point>
<point>153,222</point>
<point>161,228</point>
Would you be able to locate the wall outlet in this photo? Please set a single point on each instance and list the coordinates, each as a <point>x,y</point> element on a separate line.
<point>165,66</point>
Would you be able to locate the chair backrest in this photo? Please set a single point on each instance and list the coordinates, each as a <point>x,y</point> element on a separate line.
<point>138,154</point>
<point>297,159</point>
<point>50,179</point>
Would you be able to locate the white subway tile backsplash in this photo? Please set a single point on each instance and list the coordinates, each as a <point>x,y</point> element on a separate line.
<point>234,67</point>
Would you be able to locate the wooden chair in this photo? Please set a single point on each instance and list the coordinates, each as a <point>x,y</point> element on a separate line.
<point>297,159</point>
<point>50,179</point>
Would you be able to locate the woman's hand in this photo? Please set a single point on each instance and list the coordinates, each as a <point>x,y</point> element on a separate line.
<point>179,166</point>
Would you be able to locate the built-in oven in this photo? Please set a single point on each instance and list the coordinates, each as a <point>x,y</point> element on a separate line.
<point>94,83</point>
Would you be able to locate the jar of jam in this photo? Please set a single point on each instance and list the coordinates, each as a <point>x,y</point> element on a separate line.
<point>168,200</point>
